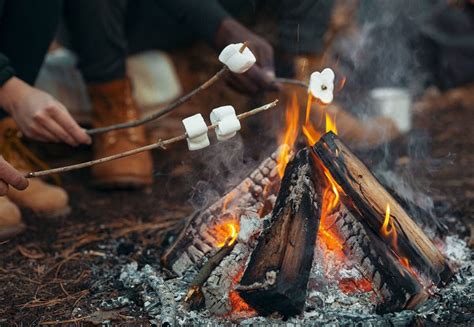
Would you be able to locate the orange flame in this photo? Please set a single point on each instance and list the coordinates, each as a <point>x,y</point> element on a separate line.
<point>291,133</point>
<point>392,234</point>
<point>226,233</point>
<point>342,83</point>
<point>389,232</point>
<point>331,198</point>
<point>330,124</point>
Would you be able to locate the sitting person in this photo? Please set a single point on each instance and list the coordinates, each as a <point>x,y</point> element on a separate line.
<point>104,32</point>
<point>37,114</point>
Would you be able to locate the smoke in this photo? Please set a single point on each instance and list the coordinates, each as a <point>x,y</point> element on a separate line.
<point>224,165</point>
<point>387,50</point>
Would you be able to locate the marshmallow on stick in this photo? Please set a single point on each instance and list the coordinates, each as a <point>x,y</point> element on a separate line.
<point>321,85</point>
<point>196,131</point>
<point>237,60</point>
<point>227,122</point>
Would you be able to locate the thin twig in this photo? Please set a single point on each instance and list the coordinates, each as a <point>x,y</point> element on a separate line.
<point>158,145</point>
<point>169,107</point>
<point>291,81</point>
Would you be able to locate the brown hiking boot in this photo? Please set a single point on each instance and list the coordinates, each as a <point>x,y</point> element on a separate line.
<point>112,103</point>
<point>40,197</point>
<point>10,219</point>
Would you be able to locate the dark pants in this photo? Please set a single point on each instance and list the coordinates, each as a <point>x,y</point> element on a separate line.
<point>104,32</point>
<point>27,28</point>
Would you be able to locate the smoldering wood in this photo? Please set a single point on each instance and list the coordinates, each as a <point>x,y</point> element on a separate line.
<point>395,286</point>
<point>365,196</point>
<point>195,296</point>
<point>225,277</point>
<point>217,288</point>
<point>276,277</point>
<point>196,241</point>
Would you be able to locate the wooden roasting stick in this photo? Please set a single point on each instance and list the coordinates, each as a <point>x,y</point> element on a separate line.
<point>365,196</point>
<point>161,144</point>
<point>169,107</point>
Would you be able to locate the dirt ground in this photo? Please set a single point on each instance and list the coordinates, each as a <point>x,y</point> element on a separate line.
<point>63,267</point>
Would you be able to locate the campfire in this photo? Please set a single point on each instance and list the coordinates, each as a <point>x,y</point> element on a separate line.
<point>308,216</point>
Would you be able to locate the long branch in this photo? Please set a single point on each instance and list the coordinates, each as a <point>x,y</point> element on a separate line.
<point>163,111</point>
<point>169,107</point>
<point>160,144</point>
<point>291,81</point>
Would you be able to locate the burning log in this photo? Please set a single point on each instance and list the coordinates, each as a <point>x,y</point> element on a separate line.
<point>366,197</point>
<point>219,293</point>
<point>196,240</point>
<point>395,286</point>
<point>277,274</point>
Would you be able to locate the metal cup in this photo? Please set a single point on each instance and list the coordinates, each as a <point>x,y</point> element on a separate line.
<point>394,103</point>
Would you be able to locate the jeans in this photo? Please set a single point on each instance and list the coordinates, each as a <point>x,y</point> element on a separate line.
<point>104,32</point>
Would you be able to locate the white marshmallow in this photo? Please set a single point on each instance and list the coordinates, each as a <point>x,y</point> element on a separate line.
<point>198,143</point>
<point>227,128</point>
<point>321,85</point>
<point>196,129</point>
<point>227,122</point>
<point>220,113</point>
<point>238,62</point>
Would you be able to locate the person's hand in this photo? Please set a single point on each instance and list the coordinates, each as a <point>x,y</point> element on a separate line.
<point>261,76</point>
<point>10,176</point>
<point>39,115</point>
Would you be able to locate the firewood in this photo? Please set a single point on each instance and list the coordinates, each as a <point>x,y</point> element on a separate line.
<point>395,286</point>
<point>276,277</point>
<point>220,285</point>
<point>365,196</point>
<point>196,239</point>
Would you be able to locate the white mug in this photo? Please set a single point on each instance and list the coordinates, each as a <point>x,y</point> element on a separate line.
<point>394,103</point>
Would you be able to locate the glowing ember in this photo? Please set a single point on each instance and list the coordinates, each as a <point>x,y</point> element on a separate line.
<point>238,304</point>
<point>350,286</point>
<point>291,133</point>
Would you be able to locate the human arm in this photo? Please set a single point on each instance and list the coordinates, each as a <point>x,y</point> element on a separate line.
<point>39,115</point>
<point>211,22</point>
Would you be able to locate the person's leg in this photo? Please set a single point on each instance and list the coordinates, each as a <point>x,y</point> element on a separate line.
<point>97,34</point>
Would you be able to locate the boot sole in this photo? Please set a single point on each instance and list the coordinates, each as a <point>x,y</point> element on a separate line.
<point>123,182</point>
<point>10,232</point>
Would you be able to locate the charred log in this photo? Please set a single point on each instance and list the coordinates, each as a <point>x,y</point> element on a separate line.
<point>195,241</point>
<point>395,286</point>
<point>367,198</point>
<point>276,277</point>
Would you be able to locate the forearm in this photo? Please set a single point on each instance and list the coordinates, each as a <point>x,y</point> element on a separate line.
<point>202,16</point>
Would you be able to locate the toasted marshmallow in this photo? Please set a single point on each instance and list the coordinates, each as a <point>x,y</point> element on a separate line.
<point>321,85</point>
